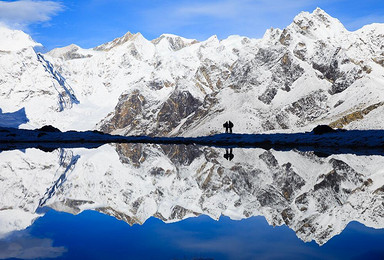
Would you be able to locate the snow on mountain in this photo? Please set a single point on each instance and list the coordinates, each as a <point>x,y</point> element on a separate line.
<point>172,42</point>
<point>71,52</point>
<point>29,83</point>
<point>315,196</point>
<point>14,40</point>
<point>312,72</point>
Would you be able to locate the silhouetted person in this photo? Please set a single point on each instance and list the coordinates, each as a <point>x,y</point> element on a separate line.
<point>228,154</point>
<point>230,125</point>
<point>226,125</point>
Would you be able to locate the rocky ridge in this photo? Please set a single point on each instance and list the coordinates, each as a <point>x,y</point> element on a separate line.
<point>312,72</point>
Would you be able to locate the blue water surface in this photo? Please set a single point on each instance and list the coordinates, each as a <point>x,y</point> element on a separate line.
<point>92,235</point>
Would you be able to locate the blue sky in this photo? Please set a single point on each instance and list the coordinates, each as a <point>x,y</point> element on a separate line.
<point>89,23</point>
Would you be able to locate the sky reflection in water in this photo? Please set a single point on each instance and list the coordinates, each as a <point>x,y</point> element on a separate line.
<point>92,235</point>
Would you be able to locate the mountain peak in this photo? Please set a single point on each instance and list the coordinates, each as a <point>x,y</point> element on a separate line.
<point>318,10</point>
<point>119,41</point>
<point>318,22</point>
<point>70,52</point>
<point>14,40</point>
<point>175,42</point>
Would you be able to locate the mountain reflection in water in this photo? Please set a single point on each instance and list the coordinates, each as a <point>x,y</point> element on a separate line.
<point>314,196</point>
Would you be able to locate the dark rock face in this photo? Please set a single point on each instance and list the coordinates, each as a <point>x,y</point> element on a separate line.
<point>269,196</point>
<point>73,54</point>
<point>288,181</point>
<point>157,171</point>
<point>76,204</point>
<point>268,95</point>
<point>332,69</point>
<point>155,85</point>
<point>309,107</point>
<point>267,56</point>
<point>356,115</point>
<point>128,112</point>
<point>300,51</point>
<point>285,37</point>
<point>284,70</point>
<point>178,106</point>
<point>133,114</point>
<point>287,73</point>
<point>207,107</point>
<point>118,215</point>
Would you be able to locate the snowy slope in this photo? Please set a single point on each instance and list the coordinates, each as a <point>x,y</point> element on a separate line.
<point>315,196</point>
<point>14,40</point>
<point>29,83</point>
<point>312,72</point>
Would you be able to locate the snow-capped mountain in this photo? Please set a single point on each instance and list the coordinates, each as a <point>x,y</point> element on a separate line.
<point>312,72</point>
<point>29,83</point>
<point>315,196</point>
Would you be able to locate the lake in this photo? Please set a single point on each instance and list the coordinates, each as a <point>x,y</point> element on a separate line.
<point>148,201</point>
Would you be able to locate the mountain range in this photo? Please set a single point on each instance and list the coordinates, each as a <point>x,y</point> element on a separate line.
<point>312,72</point>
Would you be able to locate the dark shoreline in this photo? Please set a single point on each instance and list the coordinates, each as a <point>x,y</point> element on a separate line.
<point>353,141</point>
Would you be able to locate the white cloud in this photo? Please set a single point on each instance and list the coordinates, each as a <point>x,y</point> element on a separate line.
<point>22,245</point>
<point>22,13</point>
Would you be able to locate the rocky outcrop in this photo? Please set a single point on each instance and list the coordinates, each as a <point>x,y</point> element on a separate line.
<point>117,42</point>
<point>309,107</point>
<point>332,72</point>
<point>354,116</point>
<point>128,112</point>
<point>178,106</point>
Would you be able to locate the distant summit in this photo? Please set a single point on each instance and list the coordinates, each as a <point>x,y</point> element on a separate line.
<point>128,37</point>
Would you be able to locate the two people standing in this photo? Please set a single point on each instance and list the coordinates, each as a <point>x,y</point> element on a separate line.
<point>228,126</point>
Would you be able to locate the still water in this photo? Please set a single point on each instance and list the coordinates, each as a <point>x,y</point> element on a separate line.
<point>145,201</point>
